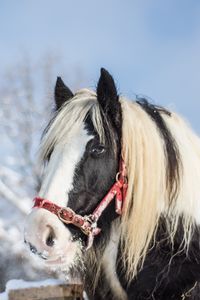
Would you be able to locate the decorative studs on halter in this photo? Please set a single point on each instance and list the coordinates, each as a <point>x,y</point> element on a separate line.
<point>88,224</point>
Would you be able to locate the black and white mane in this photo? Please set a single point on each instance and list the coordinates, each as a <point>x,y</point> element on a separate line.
<point>152,251</point>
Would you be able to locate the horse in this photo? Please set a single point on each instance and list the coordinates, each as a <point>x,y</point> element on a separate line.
<point>119,202</point>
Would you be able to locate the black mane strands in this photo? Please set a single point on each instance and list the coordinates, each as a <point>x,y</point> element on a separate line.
<point>170,146</point>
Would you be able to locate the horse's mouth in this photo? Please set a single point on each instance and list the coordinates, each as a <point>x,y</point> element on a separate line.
<point>59,261</point>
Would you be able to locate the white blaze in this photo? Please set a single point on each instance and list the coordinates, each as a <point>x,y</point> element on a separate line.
<point>59,173</point>
<point>57,183</point>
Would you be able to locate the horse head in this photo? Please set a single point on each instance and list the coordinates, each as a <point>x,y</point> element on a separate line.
<point>81,150</point>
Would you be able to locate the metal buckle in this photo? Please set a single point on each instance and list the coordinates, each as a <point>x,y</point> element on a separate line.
<point>117,176</point>
<point>124,178</point>
<point>89,219</point>
<point>92,225</point>
<point>64,220</point>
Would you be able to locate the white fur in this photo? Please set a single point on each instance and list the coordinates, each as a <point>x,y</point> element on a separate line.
<point>109,263</point>
<point>60,171</point>
<point>37,228</point>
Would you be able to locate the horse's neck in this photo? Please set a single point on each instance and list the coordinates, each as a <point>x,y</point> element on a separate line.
<point>109,262</point>
<point>105,266</point>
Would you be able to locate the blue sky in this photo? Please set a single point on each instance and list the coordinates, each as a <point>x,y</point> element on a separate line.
<point>152,47</point>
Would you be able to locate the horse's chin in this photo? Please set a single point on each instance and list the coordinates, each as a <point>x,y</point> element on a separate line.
<point>65,258</point>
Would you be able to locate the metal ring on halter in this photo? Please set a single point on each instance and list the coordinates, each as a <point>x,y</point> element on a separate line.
<point>117,176</point>
<point>124,178</point>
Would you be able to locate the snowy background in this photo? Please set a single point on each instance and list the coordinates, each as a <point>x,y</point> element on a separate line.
<point>151,47</point>
<point>26,106</point>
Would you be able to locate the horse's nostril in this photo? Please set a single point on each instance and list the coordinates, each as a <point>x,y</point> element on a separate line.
<point>33,249</point>
<point>50,240</point>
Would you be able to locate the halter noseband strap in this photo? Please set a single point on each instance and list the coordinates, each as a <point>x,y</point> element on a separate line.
<point>88,223</point>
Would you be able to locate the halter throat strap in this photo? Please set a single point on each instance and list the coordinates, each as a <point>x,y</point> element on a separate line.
<point>88,223</point>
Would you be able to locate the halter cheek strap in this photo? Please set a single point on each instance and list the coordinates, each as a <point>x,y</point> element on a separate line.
<point>88,224</point>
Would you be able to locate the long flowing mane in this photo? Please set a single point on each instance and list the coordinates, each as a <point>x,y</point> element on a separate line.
<point>162,156</point>
<point>158,187</point>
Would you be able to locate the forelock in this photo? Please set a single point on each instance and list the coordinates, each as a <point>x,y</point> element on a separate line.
<point>69,119</point>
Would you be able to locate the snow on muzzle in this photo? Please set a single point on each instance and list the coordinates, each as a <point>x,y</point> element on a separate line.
<point>48,238</point>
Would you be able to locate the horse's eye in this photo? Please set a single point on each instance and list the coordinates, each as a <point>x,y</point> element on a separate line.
<point>97,150</point>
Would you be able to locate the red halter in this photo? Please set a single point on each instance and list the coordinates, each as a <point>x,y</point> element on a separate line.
<point>88,224</point>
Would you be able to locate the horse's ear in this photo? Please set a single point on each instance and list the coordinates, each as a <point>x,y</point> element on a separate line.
<point>62,93</point>
<point>108,98</point>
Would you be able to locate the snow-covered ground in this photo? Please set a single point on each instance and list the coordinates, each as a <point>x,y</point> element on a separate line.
<point>19,284</point>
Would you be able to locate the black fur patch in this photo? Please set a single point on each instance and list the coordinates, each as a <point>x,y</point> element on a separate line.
<point>108,99</point>
<point>62,93</point>
<point>171,148</point>
<point>169,272</point>
<point>93,177</point>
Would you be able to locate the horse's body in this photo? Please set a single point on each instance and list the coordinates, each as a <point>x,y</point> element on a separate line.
<point>151,251</point>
